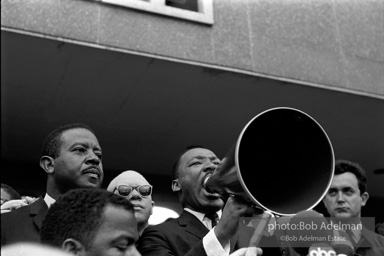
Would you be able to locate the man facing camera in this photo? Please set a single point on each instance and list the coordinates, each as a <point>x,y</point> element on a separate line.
<point>344,200</point>
<point>137,190</point>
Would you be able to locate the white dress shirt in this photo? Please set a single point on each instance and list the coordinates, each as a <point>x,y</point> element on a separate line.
<point>49,200</point>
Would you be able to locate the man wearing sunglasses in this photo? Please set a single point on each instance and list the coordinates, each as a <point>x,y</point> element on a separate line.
<point>136,189</point>
<point>195,232</point>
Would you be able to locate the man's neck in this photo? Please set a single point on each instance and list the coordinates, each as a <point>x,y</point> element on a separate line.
<point>52,190</point>
<point>141,227</point>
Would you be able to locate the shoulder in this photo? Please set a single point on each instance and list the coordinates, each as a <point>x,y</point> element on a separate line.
<point>165,227</point>
<point>373,237</point>
<point>22,212</point>
<point>22,224</point>
<point>380,238</point>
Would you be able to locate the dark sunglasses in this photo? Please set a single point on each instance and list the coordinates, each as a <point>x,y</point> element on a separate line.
<point>126,190</point>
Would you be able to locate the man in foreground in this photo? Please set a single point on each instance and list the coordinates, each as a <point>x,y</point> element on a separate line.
<point>91,222</point>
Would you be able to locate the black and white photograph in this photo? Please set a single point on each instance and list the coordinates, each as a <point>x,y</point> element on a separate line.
<point>192,127</point>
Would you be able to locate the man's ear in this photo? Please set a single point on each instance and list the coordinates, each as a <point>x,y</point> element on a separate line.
<point>153,205</point>
<point>73,246</point>
<point>364,198</point>
<point>47,163</point>
<point>175,185</point>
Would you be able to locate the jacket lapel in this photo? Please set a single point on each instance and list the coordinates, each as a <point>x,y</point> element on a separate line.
<point>233,243</point>
<point>38,209</point>
<point>192,225</point>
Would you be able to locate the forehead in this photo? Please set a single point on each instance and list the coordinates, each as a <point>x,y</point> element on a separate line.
<point>79,135</point>
<point>346,179</point>
<point>132,178</point>
<point>197,153</point>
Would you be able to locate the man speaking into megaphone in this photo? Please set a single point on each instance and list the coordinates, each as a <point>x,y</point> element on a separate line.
<point>207,226</point>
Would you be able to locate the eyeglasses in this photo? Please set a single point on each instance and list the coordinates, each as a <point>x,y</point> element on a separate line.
<point>126,190</point>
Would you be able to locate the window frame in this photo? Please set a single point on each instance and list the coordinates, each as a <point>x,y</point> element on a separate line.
<point>204,15</point>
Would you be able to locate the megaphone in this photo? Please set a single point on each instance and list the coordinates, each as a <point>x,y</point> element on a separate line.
<point>282,162</point>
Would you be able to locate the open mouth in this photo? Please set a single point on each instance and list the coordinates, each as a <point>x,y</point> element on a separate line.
<point>206,189</point>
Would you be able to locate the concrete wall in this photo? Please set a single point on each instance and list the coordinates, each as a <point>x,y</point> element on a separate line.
<point>332,44</point>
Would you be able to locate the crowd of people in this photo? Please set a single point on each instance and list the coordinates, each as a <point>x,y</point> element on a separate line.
<point>77,217</point>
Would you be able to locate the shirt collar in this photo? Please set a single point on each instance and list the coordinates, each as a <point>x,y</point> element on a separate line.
<point>200,215</point>
<point>49,200</point>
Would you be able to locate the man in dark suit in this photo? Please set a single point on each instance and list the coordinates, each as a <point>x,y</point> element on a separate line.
<point>194,232</point>
<point>71,157</point>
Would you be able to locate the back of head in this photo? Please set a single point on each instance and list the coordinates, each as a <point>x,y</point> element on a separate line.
<point>51,144</point>
<point>77,215</point>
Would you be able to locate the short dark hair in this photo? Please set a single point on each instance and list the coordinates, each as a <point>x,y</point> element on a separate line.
<point>77,214</point>
<point>176,165</point>
<point>52,143</point>
<point>11,191</point>
<point>343,166</point>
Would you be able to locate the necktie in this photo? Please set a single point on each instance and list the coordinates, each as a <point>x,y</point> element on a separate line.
<point>214,219</point>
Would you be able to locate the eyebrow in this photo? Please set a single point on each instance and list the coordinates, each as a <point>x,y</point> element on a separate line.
<point>84,144</point>
<point>200,157</point>
<point>124,237</point>
<point>341,188</point>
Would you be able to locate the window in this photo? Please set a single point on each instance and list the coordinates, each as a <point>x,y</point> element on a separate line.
<point>183,4</point>
<point>195,10</point>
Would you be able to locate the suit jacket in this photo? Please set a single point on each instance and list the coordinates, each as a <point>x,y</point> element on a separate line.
<point>370,244</point>
<point>179,237</point>
<point>23,224</point>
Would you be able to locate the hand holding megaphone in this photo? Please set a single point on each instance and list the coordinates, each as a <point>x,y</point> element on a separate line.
<point>234,209</point>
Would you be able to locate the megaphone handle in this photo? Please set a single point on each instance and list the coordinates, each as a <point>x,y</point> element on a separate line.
<point>258,233</point>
